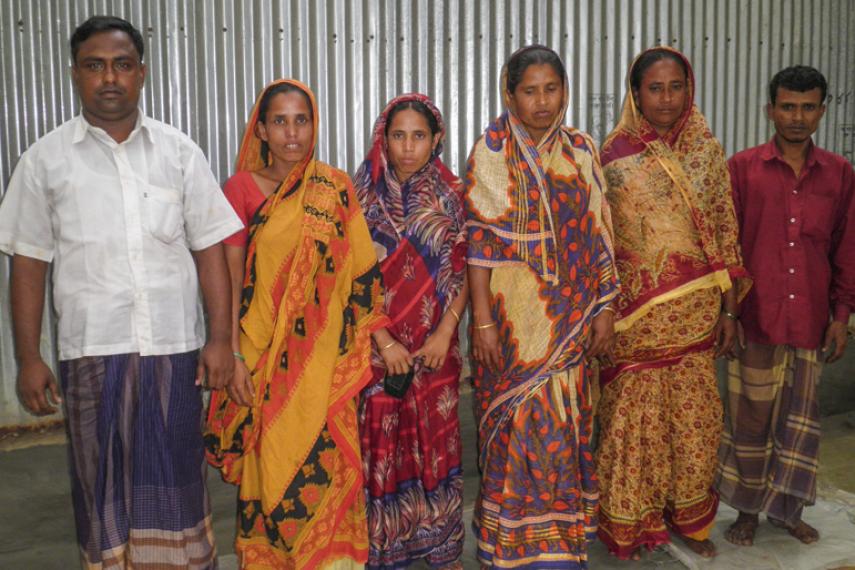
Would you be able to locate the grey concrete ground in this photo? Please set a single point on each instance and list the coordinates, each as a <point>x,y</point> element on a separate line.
<point>37,530</point>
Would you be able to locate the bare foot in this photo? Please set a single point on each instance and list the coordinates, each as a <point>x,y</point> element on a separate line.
<point>704,548</point>
<point>636,554</point>
<point>801,530</point>
<point>742,531</point>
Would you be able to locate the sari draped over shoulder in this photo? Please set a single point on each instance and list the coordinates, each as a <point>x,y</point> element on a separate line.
<point>411,446</point>
<point>677,251</point>
<point>537,218</point>
<point>312,295</point>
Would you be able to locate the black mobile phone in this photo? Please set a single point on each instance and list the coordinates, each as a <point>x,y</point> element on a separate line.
<point>396,384</point>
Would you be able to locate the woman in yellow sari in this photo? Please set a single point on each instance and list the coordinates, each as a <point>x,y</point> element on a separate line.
<point>286,430</point>
<point>677,257</point>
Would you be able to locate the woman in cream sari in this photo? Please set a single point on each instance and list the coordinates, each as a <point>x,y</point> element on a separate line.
<point>678,259</point>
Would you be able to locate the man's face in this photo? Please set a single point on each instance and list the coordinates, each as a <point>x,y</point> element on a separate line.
<point>796,114</point>
<point>109,75</point>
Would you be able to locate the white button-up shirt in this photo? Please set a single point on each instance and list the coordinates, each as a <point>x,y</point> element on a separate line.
<point>118,221</point>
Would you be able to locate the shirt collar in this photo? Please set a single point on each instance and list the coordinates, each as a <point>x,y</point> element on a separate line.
<point>82,127</point>
<point>771,151</point>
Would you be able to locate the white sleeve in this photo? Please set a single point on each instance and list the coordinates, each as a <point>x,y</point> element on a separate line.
<point>208,216</point>
<point>25,213</point>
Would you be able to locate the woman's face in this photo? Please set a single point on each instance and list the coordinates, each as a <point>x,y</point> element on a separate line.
<point>537,99</point>
<point>662,95</point>
<point>409,143</point>
<point>287,129</point>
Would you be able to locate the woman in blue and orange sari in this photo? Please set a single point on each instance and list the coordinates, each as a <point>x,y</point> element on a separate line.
<point>678,259</point>
<point>542,278</point>
<point>285,431</point>
<point>411,445</point>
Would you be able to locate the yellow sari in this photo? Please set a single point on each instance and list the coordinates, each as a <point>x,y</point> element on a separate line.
<point>312,296</point>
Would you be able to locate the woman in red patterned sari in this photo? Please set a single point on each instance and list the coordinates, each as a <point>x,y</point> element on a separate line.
<point>411,445</point>
<point>678,260</point>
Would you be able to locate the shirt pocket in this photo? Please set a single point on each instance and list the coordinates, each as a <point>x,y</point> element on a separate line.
<point>164,212</point>
<point>819,217</point>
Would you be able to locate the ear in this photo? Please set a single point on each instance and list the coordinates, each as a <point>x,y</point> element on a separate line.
<point>261,131</point>
<point>435,143</point>
<point>770,108</point>
<point>143,70</point>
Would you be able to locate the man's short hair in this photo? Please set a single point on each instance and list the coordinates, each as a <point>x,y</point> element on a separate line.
<point>799,78</point>
<point>98,24</point>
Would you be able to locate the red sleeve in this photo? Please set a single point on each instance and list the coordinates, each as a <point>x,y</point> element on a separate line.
<point>843,252</point>
<point>236,193</point>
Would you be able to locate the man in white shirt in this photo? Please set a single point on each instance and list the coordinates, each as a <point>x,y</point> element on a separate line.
<point>129,214</point>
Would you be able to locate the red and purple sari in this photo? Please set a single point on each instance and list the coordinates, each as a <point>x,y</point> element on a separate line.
<point>411,446</point>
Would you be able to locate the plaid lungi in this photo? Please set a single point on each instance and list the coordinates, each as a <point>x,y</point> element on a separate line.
<point>137,462</point>
<point>770,447</point>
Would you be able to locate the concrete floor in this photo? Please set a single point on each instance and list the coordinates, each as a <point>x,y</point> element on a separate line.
<point>37,532</point>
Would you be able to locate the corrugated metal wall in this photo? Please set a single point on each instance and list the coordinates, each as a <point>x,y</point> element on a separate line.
<point>207,59</point>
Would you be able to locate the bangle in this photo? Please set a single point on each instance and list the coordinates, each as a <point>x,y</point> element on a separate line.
<point>488,325</point>
<point>390,345</point>
<point>453,312</point>
<point>610,309</point>
<point>240,356</point>
<point>730,315</point>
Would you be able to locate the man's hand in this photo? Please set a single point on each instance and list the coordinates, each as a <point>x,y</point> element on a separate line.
<point>37,387</point>
<point>216,364</point>
<point>835,336</point>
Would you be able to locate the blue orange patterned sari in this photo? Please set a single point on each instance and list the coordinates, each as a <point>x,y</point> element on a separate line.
<point>537,219</point>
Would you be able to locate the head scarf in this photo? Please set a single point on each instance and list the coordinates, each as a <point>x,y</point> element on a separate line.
<point>694,163</point>
<point>426,209</point>
<point>522,169</point>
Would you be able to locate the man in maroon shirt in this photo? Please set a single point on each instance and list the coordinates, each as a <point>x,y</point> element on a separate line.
<point>796,212</point>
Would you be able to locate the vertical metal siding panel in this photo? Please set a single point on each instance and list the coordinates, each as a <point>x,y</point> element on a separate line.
<point>486,19</point>
<point>356,111</point>
<point>336,88</point>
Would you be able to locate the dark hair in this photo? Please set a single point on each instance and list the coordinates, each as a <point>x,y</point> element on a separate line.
<point>799,78</point>
<point>532,55</point>
<point>647,59</point>
<point>419,108</point>
<point>99,24</point>
<point>264,104</point>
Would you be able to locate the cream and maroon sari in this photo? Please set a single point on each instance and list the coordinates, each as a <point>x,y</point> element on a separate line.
<point>677,251</point>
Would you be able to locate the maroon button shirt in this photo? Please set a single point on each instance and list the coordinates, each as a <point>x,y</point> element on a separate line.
<point>798,242</point>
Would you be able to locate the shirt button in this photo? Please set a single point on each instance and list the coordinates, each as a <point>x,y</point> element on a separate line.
<point>792,270</point>
<point>795,191</point>
<point>792,220</point>
<point>792,244</point>
<point>792,296</point>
